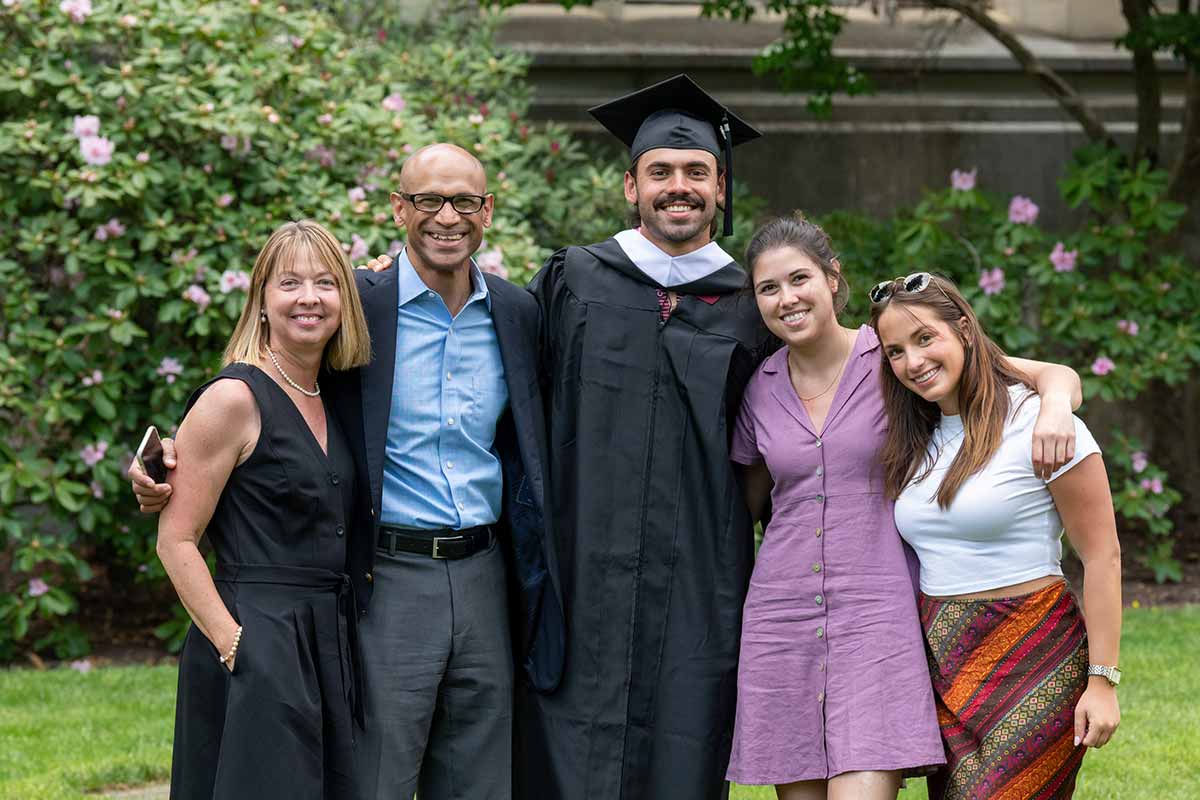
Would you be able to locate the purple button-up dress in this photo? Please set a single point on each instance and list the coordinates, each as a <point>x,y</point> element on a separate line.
<point>832,676</point>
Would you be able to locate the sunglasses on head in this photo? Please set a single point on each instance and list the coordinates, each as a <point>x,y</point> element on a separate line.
<point>917,282</point>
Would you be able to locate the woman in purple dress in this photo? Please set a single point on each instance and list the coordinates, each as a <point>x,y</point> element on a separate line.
<point>834,693</point>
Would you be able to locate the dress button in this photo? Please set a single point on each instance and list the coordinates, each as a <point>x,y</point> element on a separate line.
<point>817,567</point>
<point>820,471</point>
<point>818,442</point>
<point>449,376</point>
<point>462,506</point>
<point>820,633</point>
<point>333,478</point>
<point>819,532</point>
<point>819,599</point>
<point>821,667</point>
<point>449,465</point>
<point>340,531</point>
<point>820,697</point>
<point>370,578</point>
<point>820,498</point>
<point>450,421</point>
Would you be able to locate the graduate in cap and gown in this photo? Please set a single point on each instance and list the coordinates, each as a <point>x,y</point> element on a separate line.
<point>649,341</point>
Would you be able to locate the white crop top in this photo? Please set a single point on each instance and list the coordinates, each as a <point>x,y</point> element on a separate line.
<point>1002,527</point>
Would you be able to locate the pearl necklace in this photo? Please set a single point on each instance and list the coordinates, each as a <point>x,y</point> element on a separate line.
<point>315,393</point>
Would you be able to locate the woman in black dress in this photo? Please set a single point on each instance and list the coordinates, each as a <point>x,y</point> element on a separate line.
<point>268,698</point>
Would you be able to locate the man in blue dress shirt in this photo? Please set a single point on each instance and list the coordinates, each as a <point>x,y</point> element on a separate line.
<point>452,570</point>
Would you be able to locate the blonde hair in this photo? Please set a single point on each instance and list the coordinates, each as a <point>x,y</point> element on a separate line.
<point>351,344</point>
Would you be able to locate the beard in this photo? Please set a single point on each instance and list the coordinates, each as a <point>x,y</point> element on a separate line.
<point>672,231</point>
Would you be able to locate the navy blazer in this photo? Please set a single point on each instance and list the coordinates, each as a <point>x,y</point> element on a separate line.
<point>362,401</point>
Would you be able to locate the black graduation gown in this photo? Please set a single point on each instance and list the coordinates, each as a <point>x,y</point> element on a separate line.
<point>654,539</point>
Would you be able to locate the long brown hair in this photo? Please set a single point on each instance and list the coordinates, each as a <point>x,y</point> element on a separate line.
<point>983,398</point>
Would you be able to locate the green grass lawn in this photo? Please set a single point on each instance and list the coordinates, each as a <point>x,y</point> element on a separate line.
<point>65,734</point>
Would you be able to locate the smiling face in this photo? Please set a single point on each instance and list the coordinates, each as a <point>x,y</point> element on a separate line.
<point>442,241</point>
<point>926,352</point>
<point>794,296</point>
<point>676,194</point>
<point>302,302</point>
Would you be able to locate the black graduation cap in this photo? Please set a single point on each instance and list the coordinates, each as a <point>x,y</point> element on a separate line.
<point>677,114</point>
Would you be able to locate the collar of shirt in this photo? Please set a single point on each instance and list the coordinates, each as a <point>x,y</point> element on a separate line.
<point>411,285</point>
<point>667,270</point>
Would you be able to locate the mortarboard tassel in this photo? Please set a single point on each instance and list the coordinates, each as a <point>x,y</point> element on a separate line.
<point>727,144</point>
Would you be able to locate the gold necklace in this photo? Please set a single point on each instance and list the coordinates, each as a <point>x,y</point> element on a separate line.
<point>845,358</point>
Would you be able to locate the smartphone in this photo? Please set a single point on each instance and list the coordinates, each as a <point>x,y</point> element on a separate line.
<point>150,456</point>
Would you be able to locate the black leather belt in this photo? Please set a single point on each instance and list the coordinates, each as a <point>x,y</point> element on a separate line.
<point>444,543</point>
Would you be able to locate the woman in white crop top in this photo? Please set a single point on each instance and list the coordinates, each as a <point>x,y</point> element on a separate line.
<point>1023,683</point>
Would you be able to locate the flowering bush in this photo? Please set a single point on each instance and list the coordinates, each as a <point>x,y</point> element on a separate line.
<point>148,149</point>
<point>1112,298</point>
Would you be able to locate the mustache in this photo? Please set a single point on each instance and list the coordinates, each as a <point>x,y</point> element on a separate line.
<point>690,199</point>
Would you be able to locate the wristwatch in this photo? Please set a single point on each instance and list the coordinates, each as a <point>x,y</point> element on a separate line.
<point>1110,674</point>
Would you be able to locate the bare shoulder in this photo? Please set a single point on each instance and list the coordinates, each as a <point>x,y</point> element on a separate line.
<point>224,417</point>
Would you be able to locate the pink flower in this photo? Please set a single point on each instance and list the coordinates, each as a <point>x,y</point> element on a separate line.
<point>233,279</point>
<point>492,261</point>
<point>97,489</point>
<point>1127,326</point>
<point>1063,259</point>
<point>325,156</point>
<point>92,455</point>
<point>392,154</point>
<point>963,181</point>
<point>82,666</point>
<point>143,157</point>
<point>196,294</point>
<point>358,248</point>
<point>395,247</point>
<point>87,126</point>
<point>1022,211</point>
<point>37,587</point>
<point>992,281</point>
<point>357,194</point>
<point>96,150</point>
<point>325,119</point>
<point>169,368</point>
<point>408,148</point>
<point>207,169</point>
<point>475,119</point>
<point>77,10</point>
<point>1103,365</point>
<point>128,21</point>
<point>113,229</point>
<point>115,313</point>
<point>92,380</point>
<point>296,41</point>
<point>1139,461</point>
<point>229,142</point>
<point>1154,485</point>
<point>225,200</point>
<point>394,103</point>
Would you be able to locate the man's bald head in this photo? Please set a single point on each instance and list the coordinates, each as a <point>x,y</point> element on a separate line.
<point>441,158</point>
<point>442,241</point>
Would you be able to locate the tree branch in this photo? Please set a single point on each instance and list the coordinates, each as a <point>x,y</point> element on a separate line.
<point>1146,84</point>
<point>1054,85</point>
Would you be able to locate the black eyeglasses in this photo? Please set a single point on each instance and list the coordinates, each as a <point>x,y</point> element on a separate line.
<point>917,282</point>
<point>430,203</point>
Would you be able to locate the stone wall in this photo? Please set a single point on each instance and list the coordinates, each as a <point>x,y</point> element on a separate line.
<point>947,96</point>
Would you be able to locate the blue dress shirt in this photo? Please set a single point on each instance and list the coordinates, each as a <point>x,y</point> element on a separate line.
<point>447,395</point>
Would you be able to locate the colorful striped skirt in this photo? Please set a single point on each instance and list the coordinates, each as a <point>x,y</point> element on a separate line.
<point>1006,677</point>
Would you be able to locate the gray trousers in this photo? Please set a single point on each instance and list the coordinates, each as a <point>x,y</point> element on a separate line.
<point>437,664</point>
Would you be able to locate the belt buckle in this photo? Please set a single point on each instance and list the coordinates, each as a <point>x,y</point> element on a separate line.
<point>436,541</point>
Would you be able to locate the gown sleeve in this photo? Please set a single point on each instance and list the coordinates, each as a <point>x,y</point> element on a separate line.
<point>545,288</point>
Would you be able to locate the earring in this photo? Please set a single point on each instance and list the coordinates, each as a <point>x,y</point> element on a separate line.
<point>262,317</point>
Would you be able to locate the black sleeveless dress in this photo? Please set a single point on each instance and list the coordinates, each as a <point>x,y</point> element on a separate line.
<point>281,725</point>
